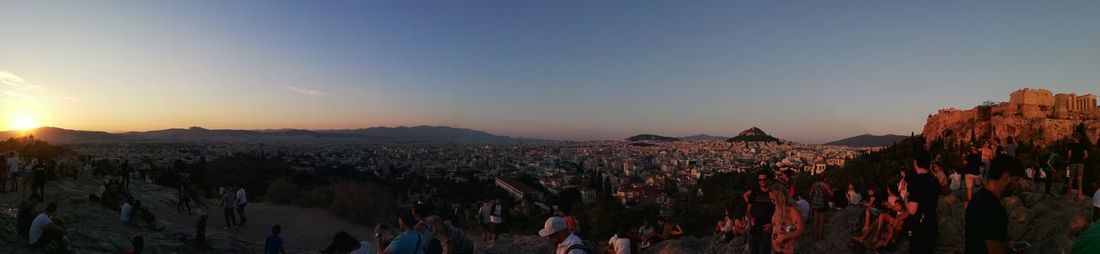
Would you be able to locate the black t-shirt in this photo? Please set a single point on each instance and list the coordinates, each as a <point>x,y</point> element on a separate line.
<point>986,219</point>
<point>973,164</point>
<point>925,191</point>
<point>1078,151</point>
<point>762,209</point>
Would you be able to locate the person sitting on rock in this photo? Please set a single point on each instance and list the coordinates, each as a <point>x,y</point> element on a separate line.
<point>47,230</point>
<point>26,215</point>
<point>886,227</point>
<point>452,239</point>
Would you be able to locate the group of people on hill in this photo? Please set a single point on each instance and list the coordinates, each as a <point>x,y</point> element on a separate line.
<point>419,231</point>
<point>776,214</point>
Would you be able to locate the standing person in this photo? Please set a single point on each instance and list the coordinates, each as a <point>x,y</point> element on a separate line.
<point>986,218</point>
<point>1010,146</point>
<point>784,177</point>
<point>483,219</point>
<point>803,205</point>
<point>228,205</point>
<point>557,233</point>
<point>458,217</point>
<point>200,224</point>
<point>411,241</point>
<point>4,177</point>
<point>274,244</point>
<point>38,184</point>
<point>819,202</point>
<point>786,222</point>
<point>761,209</point>
<point>973,170</point>
<point>242,201</point>
<point>13,171</point>
<point>1077,153</point>
<point>28,173</point>
<point>1049,173</point>
<point>496,218</point>
<point>618,244</point>
<point>987,152</point>
<point>126,211</point>
<point>922,202</point>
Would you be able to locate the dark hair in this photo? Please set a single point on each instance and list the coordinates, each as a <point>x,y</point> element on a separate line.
<point>1010,140</point>
<point>1004,165</point>
<point>51,207</point>
<point>408,218</point>
<point>764,173</point>
<point>342,242</point>
<point>276,229</point>
<point>139,244</point>
<point>922,157</point>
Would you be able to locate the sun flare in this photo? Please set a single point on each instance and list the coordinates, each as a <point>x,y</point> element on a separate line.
<point>23,122</point>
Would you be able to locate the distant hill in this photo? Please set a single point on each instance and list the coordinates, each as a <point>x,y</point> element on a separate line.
<point>868,140</point>
<point>651,137</point>
<point>418,134</point>
<point>753,135</point>
<point>704,137</point>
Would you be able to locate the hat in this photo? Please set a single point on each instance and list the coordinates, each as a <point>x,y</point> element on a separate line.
<point>553,225</point>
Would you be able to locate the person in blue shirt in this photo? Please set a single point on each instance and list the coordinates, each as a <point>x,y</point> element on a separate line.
<point>274,243</point>
<point>413,240</point>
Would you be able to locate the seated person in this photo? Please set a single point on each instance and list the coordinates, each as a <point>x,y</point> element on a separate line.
<point>48,231</point>
<point>887,226</point>
<point>26,215</point>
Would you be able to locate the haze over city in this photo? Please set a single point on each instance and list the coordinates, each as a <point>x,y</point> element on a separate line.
<point>570,70</point>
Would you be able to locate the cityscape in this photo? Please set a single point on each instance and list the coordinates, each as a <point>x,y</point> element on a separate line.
<point>539,127</point>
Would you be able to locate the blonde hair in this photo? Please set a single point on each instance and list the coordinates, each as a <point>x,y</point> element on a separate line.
<point>784,202</point>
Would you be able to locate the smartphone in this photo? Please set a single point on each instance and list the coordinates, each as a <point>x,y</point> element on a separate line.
<point>1020,246</point>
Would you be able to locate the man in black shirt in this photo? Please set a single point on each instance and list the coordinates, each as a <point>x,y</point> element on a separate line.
<point>1078,152</point>
<point>923,200</point>
<point>973,170</point>
<point>761,209</point>
<point>986,218</point>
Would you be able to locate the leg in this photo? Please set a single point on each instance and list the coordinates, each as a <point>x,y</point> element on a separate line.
<point>240,211</point>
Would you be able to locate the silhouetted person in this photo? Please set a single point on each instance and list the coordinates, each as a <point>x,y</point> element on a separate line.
<point>274,244</point>
<point>228,205</point>
<point>1077,153</point>
<point>242,201</point>
<point>924,194</point>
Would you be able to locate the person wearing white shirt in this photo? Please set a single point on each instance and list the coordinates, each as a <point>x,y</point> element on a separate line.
<point>619,244</point>
<point>126,211</point>
<point>1096,205</point>
<point>242,200</point>
<point>557,232</point>
<point>853,197</point>
<point>13,171</point>
<point>43,230</point>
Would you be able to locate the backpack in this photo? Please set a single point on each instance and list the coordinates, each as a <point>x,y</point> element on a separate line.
<point>580,247</point>
<point>817,199</point>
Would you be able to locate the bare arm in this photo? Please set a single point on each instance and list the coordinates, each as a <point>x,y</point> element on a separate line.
<point>995,247</point>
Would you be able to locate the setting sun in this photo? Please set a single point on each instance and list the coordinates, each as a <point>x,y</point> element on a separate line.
<point>23,122</point>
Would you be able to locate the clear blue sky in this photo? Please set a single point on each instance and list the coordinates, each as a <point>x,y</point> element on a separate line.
<point>810,71</point>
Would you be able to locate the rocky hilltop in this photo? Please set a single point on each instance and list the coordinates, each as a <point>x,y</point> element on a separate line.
<point>1030,115</point>
<point>753,135</point>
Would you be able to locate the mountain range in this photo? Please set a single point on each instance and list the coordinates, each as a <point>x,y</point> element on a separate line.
<point>868,140</point>
<point>417,134</point>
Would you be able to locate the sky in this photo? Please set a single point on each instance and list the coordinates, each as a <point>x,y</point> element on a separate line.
<point>808,71</point>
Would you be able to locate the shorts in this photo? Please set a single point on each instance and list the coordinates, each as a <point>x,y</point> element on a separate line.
<point>1076,170</point>
<point>493,227</point>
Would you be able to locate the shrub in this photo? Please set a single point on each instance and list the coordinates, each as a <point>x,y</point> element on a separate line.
<point>321,196</point>
<point>282,191</point>
<point>361,202</point>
